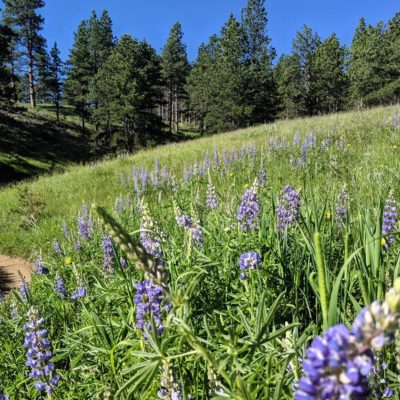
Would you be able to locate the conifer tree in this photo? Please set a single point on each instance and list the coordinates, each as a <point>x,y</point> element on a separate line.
<point>289,85</point>
<point>330,75</point>
<point>201,86</point>
<point>55,79</point>
<point>175,69</point>
<point>7,89</point>
<point>129,88</point>
<point>79,73</point>
<point>261,89</point>
<point>22,17</point>
<point>304,46</point>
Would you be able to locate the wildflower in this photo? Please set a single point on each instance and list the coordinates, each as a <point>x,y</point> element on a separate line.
<point>39,266</point>
<point>68,260</point>
<point>39,353</point>
<point>123,263</point>
<point>249,261</point>
<point>57,247</point>
<point>303,158</point>
<point>60,287</point>
<point>4,396</point>
<point>170,390</point>
<point>342,207</point>
<point>196,234</point>
<point>211,199</point>
<point>262,177</point>
<point>190,225</point>
<point>148,233</point>
<point>249,210</point>
<point>231,174</point>
<point>80,292</point>
<point>328,215</point>
<point>24,290</point>
<point>390,219</point>
<point>85,223</point>
<point>65,231</point>
<point>78,246</point>
<point>120,205</point>
<point>339,364</point>
<point>143,177</point>
<point>296,139</point>
<point>108,253</point>
<point>288,208</point>
<point>394,146</point>
<point>148,300</point>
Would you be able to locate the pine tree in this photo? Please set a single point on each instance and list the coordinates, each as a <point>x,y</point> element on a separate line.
<point>330,75</point>
<point>101,42</point>
<point>129,88</point>
<point>175,69</point>
<point>200,87</point>
<point>261,89</point>
<point>304,46</point>
<point>55,79</point>
<point>7,89</point>
<point>79,73</point>
<point>289,85</point>
<point>22,17</point>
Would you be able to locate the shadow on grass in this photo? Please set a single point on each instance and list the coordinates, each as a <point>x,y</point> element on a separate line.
<point>33,144</point>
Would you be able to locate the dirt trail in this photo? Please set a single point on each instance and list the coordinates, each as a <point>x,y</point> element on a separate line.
<point>10,268</point>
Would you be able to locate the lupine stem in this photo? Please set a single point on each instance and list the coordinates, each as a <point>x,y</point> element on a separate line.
<point>323,291</point>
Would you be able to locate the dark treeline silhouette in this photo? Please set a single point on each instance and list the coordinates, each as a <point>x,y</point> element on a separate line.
<point>124,86</point>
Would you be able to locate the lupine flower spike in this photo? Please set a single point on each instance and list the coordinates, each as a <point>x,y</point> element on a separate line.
<point>390,219</point>
<point>249,210</point>
<point>211,199</point>
<point>39,354</point>
<point>340,363</point>
<point>288,209</point>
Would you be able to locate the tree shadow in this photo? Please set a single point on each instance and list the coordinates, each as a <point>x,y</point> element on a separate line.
<point>7,281</point>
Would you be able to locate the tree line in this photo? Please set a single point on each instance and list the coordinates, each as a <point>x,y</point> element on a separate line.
<point>236,80</point>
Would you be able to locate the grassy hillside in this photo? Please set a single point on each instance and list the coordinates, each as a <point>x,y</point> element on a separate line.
<point>371,148</point>
<point>212,267</point>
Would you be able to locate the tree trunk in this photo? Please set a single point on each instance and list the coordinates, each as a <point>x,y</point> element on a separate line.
<point>58,112</point>
<point>32,94</point>
<point>176,109</point>
<point>170,104</point>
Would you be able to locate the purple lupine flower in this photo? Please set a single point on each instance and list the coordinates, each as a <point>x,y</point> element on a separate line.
<point>303,158</point>
<point>252,151</point>
<point>249,210</point>
<point>60,287</point>
<point>328,142</point>
<point>216,156</point>
<point>170,390</point>
<point>77,246</point>
<point>39,354</point>
<point>143,177</point>
<point>262,176</point>
<point>249,261</point>
<point>342,207</point>
<point>196,234</point>
<point>4,396</point>
<point>80,292</point>
<point>206,162</point>
<point>85,223</point>
<point>136,180</point>
<point>149,235</point>
<point>123,263</point>
<point>341,363</point>
<point>296,139</point>
<point>148,300</point>
<point>65,231</point>
<point>39,266</point>
<point>288,209</point>
<point>211,198</point>
<point>390,219</point>
<point>108,253</point>
<point>154,179</point>
<point>24,290</point>
<point>311,140</point>
<point>120,204</point>
<point>57,247</point>
<point>186,175</point>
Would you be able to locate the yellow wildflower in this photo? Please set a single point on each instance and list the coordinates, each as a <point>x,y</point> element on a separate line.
<point>328,215</point>
<point>68,260</point>
<point>231,174</point>
<point>394,146</point>
<point>383,242</point>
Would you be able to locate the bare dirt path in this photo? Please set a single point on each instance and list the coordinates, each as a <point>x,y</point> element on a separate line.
<point>10,270</point>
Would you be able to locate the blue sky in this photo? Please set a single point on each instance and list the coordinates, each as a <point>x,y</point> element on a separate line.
<point>152,19</point>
